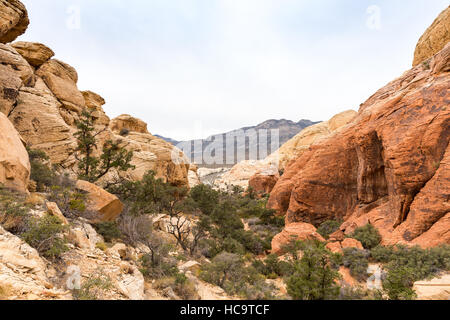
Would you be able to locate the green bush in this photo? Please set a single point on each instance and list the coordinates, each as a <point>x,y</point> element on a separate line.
<point>399,281</point>
<point>70,202</point>
<point>367,235</point>
<point>41,172</point>
<point>109,230</point>
<point>46,236</point>
<point>272,267</point>
<point>357,261</point>
<point>315,274</point>
<point>205,198</point>
<point>328,227</point>
<point>13,211</point>
<point>93,288</point>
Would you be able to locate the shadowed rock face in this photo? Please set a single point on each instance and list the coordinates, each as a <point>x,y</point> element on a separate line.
<point>389,167</point>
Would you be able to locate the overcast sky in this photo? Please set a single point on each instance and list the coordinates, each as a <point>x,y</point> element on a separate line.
<point>191,68</point>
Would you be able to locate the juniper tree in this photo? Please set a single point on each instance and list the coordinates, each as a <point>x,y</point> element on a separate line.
<point>90,167</point>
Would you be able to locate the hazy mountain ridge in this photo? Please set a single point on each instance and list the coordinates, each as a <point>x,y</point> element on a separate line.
<point>287,130</point>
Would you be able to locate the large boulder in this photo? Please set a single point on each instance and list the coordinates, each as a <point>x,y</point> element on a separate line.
<point>434,39</point>
<point>14,161</point>
<point>35,53</point>
<point>390,167</point>
<point>294,231</point>
<point>106,205</point>
<point>13,20</point>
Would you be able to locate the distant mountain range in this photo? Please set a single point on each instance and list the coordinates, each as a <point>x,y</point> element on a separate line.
<point>249,142</point>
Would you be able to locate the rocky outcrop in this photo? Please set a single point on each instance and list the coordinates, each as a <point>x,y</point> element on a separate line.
<point>14,162</point>
<point>434,39</point>
<point>35,53</point>
<point>15,72</point>
<point>264,181</point>
<point>129,124</point>
<point>23,271</point>
<point>294,231</point>
<point>41,98</point>
<point>389,167</point>
<point>61,79</point>
<point>38,119</point>
<point>107,206</point>
<point>13,20</point>
<point>150,152</point>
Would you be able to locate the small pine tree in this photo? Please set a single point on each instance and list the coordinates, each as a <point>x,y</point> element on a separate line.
<point>92,168</point>
<point>314,277</point>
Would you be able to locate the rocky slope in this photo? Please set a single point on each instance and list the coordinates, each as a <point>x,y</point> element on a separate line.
<point>42,100</point>
<point>390,167</point>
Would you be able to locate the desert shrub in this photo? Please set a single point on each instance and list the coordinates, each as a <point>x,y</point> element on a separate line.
<point>13,211</point>
<point>399,281</point>
<point>183,287</point>
<point>94,287</point>
<point>382,254</point>
<point>205,198</point>
<point>357,261</point>
<point>423,263</point>
<point>41,172</point>
<point>314,276</point>
<point>101,245</point>
<point>70,202</point>
<point>328,227</point>
<point>367,235</point>
<point>46,236</point>
<point>134,228</point>
<point>272,267</point>
<point>224,267</point>
<point>157,263</point>
<point>405,265</point>
<point>109,230</point>
<point>359,293</point>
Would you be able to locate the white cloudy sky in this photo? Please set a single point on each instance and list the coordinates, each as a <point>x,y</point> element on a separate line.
<point>191,68</point>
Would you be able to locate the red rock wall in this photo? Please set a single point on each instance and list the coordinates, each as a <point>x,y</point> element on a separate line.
<point>389,168</point>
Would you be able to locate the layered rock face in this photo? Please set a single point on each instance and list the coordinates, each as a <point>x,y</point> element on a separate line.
<point>41,98</point>
<point>389,167</point>
<point>13,20</point>
<point>14,162</point>
<point>434,39</point>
